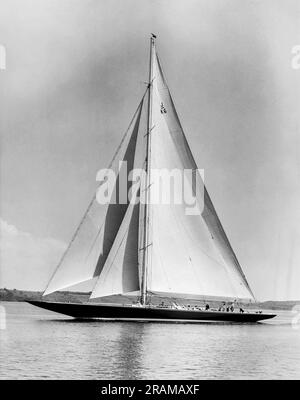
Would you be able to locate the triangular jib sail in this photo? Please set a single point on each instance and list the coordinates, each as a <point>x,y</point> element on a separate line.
<point>154,247</point>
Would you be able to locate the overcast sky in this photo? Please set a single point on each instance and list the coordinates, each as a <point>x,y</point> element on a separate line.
<point>73,79</point>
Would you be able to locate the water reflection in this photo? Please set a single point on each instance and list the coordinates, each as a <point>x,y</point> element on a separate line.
<point>130,350</point>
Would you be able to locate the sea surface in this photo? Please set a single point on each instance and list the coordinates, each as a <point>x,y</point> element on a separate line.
<point>39,344</point>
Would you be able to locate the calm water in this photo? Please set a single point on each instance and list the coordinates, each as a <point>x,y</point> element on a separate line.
<point>44,345</point>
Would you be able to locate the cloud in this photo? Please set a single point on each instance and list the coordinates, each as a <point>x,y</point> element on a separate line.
<point>26,261</point>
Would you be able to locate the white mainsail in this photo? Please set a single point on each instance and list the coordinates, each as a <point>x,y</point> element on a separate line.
<point>190,254</point>
<point>91,244</point>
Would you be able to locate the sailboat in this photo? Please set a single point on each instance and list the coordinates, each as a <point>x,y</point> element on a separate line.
<point>147,248</point>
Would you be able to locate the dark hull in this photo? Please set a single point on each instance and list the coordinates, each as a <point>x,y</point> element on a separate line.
<point>119,312</point>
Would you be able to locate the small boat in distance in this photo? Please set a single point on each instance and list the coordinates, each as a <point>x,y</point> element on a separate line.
<point>150,248</point>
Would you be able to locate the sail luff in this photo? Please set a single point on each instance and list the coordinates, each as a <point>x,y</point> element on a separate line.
<point>146,232</point>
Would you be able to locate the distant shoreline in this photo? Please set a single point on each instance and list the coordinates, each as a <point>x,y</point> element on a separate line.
<point>24,295</point>
<point>82,297</point>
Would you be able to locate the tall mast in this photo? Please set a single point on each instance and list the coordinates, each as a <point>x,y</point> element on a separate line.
<point>146,243</point>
